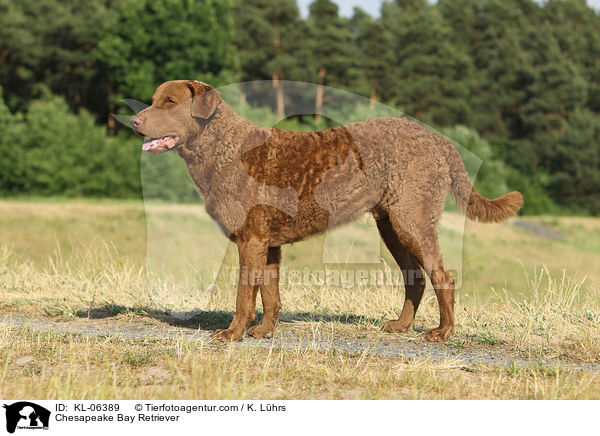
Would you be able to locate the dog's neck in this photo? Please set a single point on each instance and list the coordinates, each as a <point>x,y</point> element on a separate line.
<point>220,142</point>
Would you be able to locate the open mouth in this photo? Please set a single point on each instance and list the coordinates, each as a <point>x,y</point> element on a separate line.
<point>158,145</point>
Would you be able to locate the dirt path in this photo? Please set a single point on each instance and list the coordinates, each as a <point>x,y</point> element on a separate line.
<point>287,338</point>
<point>539,230</point>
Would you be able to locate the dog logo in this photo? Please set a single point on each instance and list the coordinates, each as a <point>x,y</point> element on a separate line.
<point>26,415</point>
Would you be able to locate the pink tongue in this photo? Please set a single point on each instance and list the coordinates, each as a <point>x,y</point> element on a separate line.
<point>147,145</point>
<point>167,142</point>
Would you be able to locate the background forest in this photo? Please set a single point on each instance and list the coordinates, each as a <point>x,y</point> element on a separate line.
<point>515,81</point>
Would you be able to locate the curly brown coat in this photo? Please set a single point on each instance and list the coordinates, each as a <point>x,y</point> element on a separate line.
<point>266,187</point>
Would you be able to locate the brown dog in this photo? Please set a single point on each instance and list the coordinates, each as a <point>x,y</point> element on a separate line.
<point>268,187</point>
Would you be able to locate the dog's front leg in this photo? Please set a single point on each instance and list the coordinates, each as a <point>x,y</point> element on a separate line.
<point>253,260</point>
<point>269,291</point>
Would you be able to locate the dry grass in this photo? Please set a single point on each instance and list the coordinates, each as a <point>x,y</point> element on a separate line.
<point>66,366</point>
<point>79,256</point>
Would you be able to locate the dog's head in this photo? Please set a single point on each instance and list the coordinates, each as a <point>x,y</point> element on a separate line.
<point>178,113</point>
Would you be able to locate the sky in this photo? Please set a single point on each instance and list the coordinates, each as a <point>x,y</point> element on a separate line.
<point>347,6</point>
<point>372,6</point>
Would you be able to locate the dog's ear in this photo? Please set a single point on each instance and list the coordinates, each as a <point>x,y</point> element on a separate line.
<point>205,99</point>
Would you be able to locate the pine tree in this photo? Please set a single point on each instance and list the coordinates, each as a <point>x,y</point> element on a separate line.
<point>152,41</point>
<point>434,77</point>
<point>50,43</point>
<point>576,28</point>
<point>575,163</point>
<point>268,38</point>
<point>374,43</point>
<point>334,55</point>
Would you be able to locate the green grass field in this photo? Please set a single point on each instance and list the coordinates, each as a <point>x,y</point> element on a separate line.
<point>60,260</point>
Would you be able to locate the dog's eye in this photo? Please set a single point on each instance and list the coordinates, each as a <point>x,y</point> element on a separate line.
<point>171,101</point>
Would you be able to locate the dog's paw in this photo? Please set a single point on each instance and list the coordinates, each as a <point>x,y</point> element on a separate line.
<point>396,326</point>
<point>439,334</point>
<point>260,331</point>
<point>227,335</point>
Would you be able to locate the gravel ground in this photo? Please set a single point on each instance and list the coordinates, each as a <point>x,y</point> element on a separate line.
<point>539,230</point>
<point>395,346</point>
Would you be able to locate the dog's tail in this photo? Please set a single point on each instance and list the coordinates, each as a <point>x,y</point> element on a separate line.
<point>475,206</point>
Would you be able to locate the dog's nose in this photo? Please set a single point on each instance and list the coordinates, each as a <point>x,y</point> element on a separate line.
<point>135,122</point>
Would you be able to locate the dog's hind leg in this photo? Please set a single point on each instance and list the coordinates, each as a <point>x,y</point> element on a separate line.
<point>422,243</point>
<point>269,292</point>
<point>443,283</point>
<point>413,276</point>
<point>429,255</point>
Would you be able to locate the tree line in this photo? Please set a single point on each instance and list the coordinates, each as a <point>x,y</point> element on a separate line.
<point>522,77</point>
